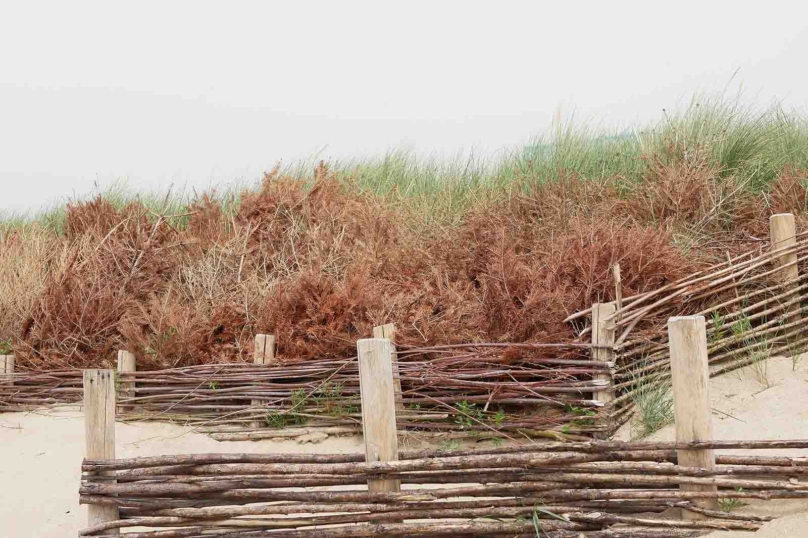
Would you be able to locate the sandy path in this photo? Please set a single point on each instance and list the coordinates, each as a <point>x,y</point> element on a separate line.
<point>42,452</point>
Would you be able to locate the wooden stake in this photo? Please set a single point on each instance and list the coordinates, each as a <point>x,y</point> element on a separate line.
<point>264,353</point>
<point>687,337</point>
<point>603,335</point>
<point>618,289</point>
<point>389,331</point>
<point>126,363</point>
<point>783,233</point>
<point>264,349</point>
<point>99,430</point>
<point>6,369</point>
<point>378,407</point>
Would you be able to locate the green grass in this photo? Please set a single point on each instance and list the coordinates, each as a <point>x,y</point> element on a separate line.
<point>654,406</point>
<point>749,143</point>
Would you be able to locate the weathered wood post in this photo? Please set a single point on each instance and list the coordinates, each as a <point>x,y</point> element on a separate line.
<point>687,337</point>
<point>603,336</point>
<point>783,233</point>
<point>127,363</point>
<point>264,353</point>
<point>389,331</point>
<point>99,432</point>
<point>378,407</point>
<point>6,369</point>
<point>618,289</point>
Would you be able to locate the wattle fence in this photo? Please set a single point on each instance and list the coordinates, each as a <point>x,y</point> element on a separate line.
<point>753,305</point>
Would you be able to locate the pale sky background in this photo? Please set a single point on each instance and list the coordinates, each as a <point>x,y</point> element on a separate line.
<point>201,93</point>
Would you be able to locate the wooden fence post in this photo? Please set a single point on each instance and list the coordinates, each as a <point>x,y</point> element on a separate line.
<point>264,349</point>
<point>264,353</point>
<point>783,233</point>
<point>99,432</point>
<point>603,335</point>
<point>389,331</point>
<point>378,407</point>
<point>6,369</point>
<point>127,363</point>
<point>687,337</point>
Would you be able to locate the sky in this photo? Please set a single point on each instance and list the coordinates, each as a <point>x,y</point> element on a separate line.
<point>197,94</point>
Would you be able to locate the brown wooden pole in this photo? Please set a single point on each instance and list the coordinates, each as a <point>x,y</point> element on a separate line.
<point>378,407</point>
<point>264,353</point>
<point>687,337</point>
<point>783,233</point>
<point>389,331</point>
<point>618,289</point>
<point>99,429</point>
<point>6,369</point>
<point>603,330</point>
<point>127,362</point>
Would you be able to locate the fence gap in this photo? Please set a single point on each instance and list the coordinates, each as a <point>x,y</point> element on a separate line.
<point>378,407</point>
<point>690,374</point>
<point>99,432</point>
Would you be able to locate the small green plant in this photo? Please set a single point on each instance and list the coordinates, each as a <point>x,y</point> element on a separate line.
<point>330,397</point>
<point>743,325</point>
<point>282,419</point>
<point>654,403</point>
<point>498,441</point>
<point>498,418</point>
<point>415,407</point>
<point>213,385</point>
<point>5,347</point>
<point>451,445</point>
<point>718,327</point>
<point>759,365</point>
<point>298,398</point>
<point>537,520</point>
<point>587,415</point>
<point>275,419</point>
<point>468,412</point>
<point>730,504</point>
<point>795,357</point>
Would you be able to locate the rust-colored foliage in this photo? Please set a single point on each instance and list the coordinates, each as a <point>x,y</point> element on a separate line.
<point>319,266</point>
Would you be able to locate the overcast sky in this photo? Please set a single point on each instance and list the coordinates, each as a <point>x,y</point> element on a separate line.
<point>200,93</point>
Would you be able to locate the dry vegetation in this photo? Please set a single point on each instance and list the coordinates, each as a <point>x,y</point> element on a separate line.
<point>318,259</point>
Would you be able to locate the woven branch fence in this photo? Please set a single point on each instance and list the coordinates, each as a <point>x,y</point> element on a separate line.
<point>481,389</point>
<point>754,305</point>
<point>594,489</point>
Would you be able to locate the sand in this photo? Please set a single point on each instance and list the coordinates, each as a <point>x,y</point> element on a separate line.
<point>42,452</point>
<point>766,402</point>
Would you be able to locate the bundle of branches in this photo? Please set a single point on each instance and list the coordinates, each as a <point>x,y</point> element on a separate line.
<point>752,313</point>
<point>569,489</point>
<point>483,388</point>
<point>27,391</point>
